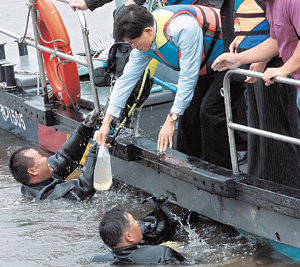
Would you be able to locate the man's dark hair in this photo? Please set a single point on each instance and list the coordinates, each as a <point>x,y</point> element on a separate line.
<point>131,21</point>
<point>112,226</point>
<point>19,164</point>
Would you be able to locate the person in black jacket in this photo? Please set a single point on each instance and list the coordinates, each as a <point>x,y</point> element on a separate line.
<point>44,178</point>
<point>123,234</point>
<point>93,4</point>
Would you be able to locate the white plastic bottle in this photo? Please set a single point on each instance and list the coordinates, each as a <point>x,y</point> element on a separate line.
<point>102,172</point>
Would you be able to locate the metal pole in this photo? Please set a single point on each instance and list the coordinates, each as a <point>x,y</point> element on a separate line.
<point>260,75</point>
<point>229,119</point>
<point>38,52</point>
<point>44,48</point>
<point>86,42</point>
<point>263,133</point>
<point>234,126</point>
<point>85,33</point>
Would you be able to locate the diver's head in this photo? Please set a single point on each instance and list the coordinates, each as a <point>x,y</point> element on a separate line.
<point>119,229</point>
<point>28,166</point>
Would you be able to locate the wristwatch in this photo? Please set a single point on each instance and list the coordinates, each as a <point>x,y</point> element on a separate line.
<point>173,116</point>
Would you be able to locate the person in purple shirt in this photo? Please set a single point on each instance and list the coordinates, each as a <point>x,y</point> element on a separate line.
<point>283,41</point>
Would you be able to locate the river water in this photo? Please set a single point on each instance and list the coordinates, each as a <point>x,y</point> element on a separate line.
<point>64,233</point>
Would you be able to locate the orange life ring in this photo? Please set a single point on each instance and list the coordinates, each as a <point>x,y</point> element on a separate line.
<point>62,74</point>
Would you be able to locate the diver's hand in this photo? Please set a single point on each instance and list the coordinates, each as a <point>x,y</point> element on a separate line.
<point>226,61</point>
<point>81,4</point>
<point>259,67</point>
<point>271,73</point>
<point>166,135</point>
<point>94,118</point>
<point>102,133</point>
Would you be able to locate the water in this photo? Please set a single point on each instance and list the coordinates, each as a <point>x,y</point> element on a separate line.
<point>64,233</point>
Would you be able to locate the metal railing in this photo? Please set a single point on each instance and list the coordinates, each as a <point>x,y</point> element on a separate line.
<point>36,44</point>
<point>231,126</point>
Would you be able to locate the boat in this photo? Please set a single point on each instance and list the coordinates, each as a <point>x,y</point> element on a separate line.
<point>249,204</point>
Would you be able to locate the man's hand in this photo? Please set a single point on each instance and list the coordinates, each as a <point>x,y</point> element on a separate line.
<point>129,2</point>
<point>102,133</point>
<point>226,61</point>
<point>271,73</point>
<point>259,67</point>
<point>233,45</point>
<point>166,135</point>
<point>81,4</point>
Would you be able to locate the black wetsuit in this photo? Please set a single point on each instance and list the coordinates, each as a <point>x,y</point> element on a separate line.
<point>147,254</point>
<point>157,227</point>
<point>64,161</point>
<point>140,254</point>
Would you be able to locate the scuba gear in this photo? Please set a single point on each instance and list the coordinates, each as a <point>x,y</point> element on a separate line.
<point>138,96</point>
<point>117,58</point>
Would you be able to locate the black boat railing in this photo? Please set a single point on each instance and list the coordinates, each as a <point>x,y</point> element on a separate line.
<point>231,126</point>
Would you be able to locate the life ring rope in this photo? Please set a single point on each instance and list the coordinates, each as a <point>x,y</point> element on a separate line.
<point>52,41</point>
<point>62,83</point>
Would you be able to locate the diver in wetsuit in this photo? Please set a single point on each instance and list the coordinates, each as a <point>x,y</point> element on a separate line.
<point>135,242</point>
<point>44,178</point>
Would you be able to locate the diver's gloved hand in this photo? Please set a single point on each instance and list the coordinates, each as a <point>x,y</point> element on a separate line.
<point>93,119</point>
<point>160,225</point>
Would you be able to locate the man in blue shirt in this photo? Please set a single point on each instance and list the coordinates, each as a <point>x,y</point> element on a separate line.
<point>174,35</point>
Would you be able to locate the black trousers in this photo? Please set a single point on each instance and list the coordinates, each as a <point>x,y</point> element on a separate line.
<point>202,130</point>
<point>273,108</point>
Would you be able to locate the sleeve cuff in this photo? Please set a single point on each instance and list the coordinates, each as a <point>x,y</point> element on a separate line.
<point>176,110</point>
<point>114,111</point>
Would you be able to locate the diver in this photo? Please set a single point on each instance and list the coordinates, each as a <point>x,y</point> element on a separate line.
<point>136,242</point>
<point>44,178</point>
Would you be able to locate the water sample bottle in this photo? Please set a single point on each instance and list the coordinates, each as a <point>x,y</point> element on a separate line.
<point>102,172</point>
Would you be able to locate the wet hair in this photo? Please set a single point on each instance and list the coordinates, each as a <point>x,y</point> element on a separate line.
<point>131,21</point>
<point>19,164</point>
<point>112,227</point>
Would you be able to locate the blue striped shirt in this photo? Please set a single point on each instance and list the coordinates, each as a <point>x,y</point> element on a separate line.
<point>185,32</point>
